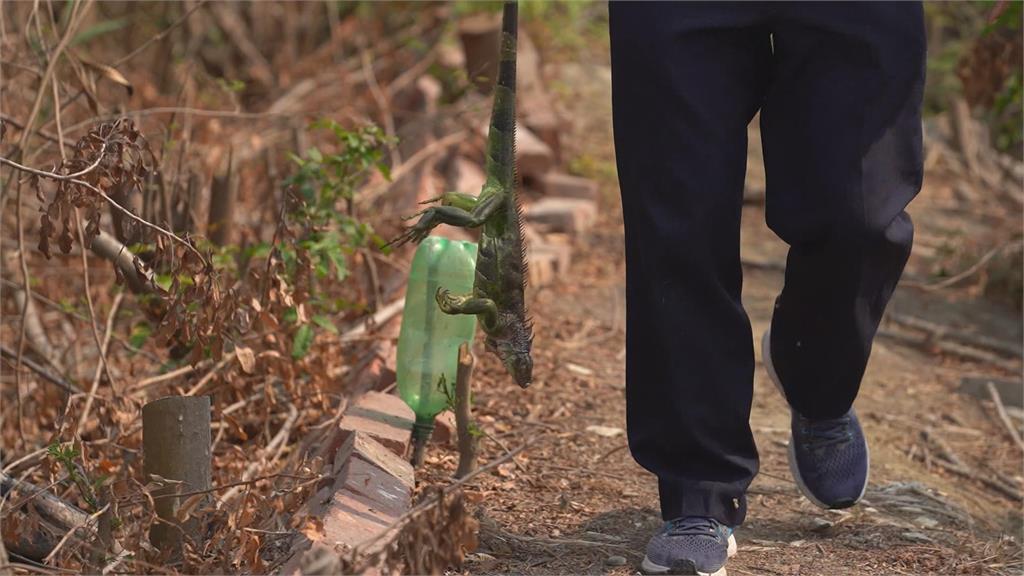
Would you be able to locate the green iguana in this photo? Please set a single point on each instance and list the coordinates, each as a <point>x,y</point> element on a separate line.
<point>497,297</point>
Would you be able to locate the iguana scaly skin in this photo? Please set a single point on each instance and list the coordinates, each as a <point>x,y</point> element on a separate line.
<point>497,297</point>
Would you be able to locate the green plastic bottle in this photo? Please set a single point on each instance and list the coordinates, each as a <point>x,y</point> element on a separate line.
<point>428,343</point>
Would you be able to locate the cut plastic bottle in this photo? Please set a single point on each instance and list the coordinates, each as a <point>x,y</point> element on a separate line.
<point>428,343</point>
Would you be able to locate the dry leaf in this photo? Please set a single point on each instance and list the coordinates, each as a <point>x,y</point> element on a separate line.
<point>246,359</point>
<point>108,72</point>
<point>186,508</point>
<point>313,528</point>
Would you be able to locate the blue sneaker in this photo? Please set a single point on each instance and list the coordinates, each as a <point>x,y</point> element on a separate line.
<point>829,458</point>
<point>691,545</point>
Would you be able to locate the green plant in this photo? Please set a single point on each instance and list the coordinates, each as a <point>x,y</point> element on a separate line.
<point>328,232</point>
<point>65,455</point>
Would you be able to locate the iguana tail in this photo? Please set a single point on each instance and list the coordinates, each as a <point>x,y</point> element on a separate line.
<point>501,138</point>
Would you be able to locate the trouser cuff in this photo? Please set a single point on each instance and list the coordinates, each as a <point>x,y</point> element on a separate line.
<point>726,505</point>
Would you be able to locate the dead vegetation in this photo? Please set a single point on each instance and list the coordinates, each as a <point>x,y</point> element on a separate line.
<point>193,196</point>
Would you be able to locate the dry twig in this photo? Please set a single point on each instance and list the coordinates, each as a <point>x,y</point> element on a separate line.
<point>1003,416</point>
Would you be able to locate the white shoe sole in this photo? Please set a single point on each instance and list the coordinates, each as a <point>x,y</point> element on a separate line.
<point>766,357</point>
<point>648,567</point>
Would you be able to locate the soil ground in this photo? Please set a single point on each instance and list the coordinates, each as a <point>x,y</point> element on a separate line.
<point>574,501</point>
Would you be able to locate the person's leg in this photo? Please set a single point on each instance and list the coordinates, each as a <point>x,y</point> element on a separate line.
<point>841,129</point>
<point>686,80</point>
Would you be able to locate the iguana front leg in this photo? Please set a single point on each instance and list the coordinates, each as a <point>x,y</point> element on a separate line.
<point>458,199</point>
<point>481,210</point>
<point>485,308</point>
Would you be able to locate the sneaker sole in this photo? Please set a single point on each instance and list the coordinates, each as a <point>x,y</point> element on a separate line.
<point>766,358</point>
<point>648,567</point>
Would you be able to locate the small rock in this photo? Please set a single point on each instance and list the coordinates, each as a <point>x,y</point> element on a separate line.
<point>615,561</point>
<point>820,524</point>
<point>916,537</point>
<point>797,543</point>
<point>926,521</point>
<point>606,431</point>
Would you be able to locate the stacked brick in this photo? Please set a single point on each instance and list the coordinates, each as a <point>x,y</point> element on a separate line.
<point>370,485</point>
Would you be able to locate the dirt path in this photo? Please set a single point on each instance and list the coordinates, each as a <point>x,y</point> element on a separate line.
<point>575,502</point>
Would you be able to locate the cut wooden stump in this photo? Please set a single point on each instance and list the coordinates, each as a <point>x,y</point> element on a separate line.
<point>480,35</point>
<point>176,446</point>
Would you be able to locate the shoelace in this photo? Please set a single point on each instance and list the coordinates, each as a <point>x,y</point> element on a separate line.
<point>825,433</point>
<point>693,526</point>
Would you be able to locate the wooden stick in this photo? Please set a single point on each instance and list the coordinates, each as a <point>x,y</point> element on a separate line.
<point>1001,410</point>
<point>380,317</point>
<point>463,412</point>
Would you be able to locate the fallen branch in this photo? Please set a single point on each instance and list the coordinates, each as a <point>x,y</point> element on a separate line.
<point>86,524</point>
<point>970,271</point>
<point>109,248</point>
<point>380,317</point>
<point>369,195</point>
<point>951,462</point>
<point>968,353</point>
<point>41,371</point>
<point>1003,416</point>
<point>51,508</point>
<point>938,332</point>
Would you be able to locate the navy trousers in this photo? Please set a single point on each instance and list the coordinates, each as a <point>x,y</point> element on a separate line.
<point>839,87</point>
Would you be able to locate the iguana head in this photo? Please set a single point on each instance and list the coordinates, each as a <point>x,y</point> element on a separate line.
<point>513,347</point>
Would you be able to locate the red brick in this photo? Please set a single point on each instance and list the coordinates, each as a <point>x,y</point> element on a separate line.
<point>369,490</point>
<point>542,269</point>
<point>568,186</point>
<point>445,431</point>
<point>465,176</point>
<point>384,417</point>
<point>544,122</point>
<point>534,157</point>
<point>568,215</point>
<point>367,468</point>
